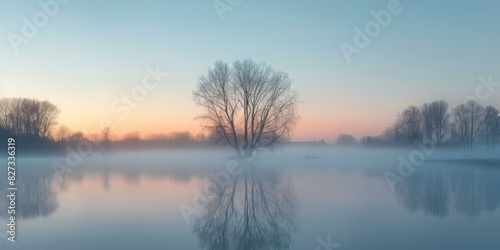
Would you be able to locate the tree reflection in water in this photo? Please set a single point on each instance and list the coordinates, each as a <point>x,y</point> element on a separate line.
<point>255,211</point>
<point>436,189</point>
<point>35,197</point>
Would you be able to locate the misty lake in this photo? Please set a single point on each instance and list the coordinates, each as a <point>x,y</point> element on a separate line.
<point>308,198</point>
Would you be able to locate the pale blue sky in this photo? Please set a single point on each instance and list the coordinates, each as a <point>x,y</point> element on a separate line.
<point>93,51</point>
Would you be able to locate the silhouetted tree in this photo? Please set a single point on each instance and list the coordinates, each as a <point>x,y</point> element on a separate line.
<point>76,137</point>
<point>4,135</point>
<point>253,104</point>
<point>106,139</point>
<point>491,127</point>
<point>62,133</point>
<point>391,135</point>
<point>409,125</point>
<point>28,117</point>
<point>435,121</point>
<point>469,122</point>
<point>345,139</point>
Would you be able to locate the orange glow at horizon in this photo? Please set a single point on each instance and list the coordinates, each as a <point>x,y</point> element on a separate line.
<point>171,109</point>
<point>313,128</point>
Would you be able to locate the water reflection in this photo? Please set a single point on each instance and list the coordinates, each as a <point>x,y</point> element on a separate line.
<point>438,188</point>
<point>35,196</point>
<point>256,210</point>
<point>39,186</point>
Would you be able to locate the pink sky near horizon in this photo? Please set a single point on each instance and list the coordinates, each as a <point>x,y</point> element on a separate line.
<point>171,109</point>
<point>159,116</point>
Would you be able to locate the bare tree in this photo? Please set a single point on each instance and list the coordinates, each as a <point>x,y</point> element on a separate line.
<point>435,121</point>
<point>47,118</point>
<point>391,135</point>
<point>62,133</point>
<point>252,104</point>
<point>409,124</point>
<point>76,137</point>
<point>469,122</point>
<point>28,117</point>
<point>491,126</point>
<point>12,115</point>
<point>105,139</point>
<point>345,140</point>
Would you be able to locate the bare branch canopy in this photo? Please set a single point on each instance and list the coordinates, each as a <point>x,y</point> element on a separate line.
<point>251,104</point>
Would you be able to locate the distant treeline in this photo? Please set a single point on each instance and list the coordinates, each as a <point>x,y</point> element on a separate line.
<point>34,125</point>
<point>436,123</point>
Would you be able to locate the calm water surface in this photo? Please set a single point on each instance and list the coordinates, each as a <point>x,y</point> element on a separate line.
<point>295,199</point>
